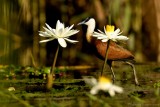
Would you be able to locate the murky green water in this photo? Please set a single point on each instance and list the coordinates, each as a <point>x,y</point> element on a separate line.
<point>69,90</point>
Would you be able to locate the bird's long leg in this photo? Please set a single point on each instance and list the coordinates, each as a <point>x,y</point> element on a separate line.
<point>110,65</point>
<point>134,72</point>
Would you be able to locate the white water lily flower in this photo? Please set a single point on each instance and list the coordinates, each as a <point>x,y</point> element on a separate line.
<point>109,34</point>
<point>61,33</point>
<point>103,84</point>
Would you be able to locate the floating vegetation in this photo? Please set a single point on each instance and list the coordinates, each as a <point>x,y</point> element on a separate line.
<point>69,91</point>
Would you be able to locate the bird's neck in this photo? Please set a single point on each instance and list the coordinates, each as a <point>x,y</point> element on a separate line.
<point>90,31</point>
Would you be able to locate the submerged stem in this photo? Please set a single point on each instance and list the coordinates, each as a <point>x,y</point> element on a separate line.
<point>106,57</point>
<point>51,74</point>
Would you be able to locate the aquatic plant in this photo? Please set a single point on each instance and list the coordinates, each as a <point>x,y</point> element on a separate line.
<point>62,34</point>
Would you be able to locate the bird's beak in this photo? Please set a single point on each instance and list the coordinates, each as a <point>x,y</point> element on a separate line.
<point>81,23</point>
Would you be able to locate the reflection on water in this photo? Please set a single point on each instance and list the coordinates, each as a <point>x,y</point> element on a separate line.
<point>16,34</point>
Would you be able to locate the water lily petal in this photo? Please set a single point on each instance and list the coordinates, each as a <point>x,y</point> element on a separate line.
<point>102,37</point>
<point>54,32</point>
<point>122,38</point>
<point>90,81</point>
<point>95,89</point>
<point>71,41</point>
<point>66,30</point>
<point>70,27</point>
<point>62,42</point>
<point>100,31</point>
<point>48,27</point>
<point>49,32</point>
<point>46,40</point>
<point>70,33</point>
<point>59,25</point>
<point>105,40</point>
<point>97,34</point>
<point>111,93</point>
<point>117,89</point>
<point>120,33</point>
<point>44,34</point>
<point>105,31</point>
<point>114,40</point>
<point>59,28</point>
<point>117,31</point>
<point>59,32</point>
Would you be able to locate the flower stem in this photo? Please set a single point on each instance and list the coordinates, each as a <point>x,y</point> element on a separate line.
<point>106,57</point>
<point>55,59</point>
<point>108,43</point>
<point>51,74</point>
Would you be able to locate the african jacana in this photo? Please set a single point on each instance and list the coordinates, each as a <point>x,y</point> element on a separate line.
<point>115,52</point>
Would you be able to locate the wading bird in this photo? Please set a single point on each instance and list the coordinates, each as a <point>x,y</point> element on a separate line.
<point>115,52</point>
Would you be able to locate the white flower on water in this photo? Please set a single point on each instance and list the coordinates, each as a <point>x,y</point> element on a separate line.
<point>103,84</point>
<point>109,34</point>
<point>60,33</point>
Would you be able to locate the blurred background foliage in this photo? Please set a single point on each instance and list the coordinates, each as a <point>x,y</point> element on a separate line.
<point>22,19</point>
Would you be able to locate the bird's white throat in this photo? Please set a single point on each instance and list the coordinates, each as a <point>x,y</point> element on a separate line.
<point>91,26</point>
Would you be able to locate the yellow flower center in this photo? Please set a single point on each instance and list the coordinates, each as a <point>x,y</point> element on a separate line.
<point>104,80</point>
<point>109,28</point>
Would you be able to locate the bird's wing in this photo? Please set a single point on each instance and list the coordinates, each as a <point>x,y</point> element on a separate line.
<point>115,52</point>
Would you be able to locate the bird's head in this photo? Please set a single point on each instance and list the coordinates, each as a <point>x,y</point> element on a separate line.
<point>88,21</point>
